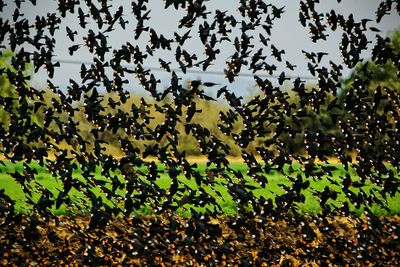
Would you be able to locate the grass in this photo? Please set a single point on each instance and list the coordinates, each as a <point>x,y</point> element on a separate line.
<point>219,189</point>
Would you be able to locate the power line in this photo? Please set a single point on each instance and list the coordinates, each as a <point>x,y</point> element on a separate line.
<point>191,71</point>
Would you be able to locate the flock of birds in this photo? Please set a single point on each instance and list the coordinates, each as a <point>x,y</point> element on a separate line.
<point>368,122</point>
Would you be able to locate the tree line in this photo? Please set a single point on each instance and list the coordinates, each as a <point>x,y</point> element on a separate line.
<point>322,114</point>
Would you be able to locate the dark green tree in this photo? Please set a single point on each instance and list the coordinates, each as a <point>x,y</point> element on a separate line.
<point>379,74</point>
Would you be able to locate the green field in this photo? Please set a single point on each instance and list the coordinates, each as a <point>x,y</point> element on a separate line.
<point>224,199</point>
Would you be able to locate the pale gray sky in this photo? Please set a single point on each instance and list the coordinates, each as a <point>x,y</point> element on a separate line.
<point>287,34</point>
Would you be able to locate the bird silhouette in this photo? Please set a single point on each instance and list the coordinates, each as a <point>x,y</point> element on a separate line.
<point>291,128</point>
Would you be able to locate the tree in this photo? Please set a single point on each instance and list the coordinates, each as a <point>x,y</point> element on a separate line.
<point>369,92</point>
<point>7,91</point>
<point>9,96</point>
<point>378,74</point>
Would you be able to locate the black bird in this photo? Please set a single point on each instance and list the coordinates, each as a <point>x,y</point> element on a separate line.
<point>282,78</point>
<point>73,48</point>
<point>164,65</point>
<point>290,66</point>
<point>277,12</point>
<point>277,53</point>
<point>71,132</point>
<point>71,34</point>
<point>82,18</point>
<point>182,39</point>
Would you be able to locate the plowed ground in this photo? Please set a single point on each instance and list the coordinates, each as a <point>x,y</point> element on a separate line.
<point>169,240</point>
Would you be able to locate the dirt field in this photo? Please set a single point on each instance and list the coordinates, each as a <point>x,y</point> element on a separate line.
<point>175,241</point>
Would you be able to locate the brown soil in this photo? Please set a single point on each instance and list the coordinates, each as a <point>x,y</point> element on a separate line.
<point>175,241</point>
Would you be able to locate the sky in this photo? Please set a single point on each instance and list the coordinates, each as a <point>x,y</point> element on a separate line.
<point>287,34</point>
